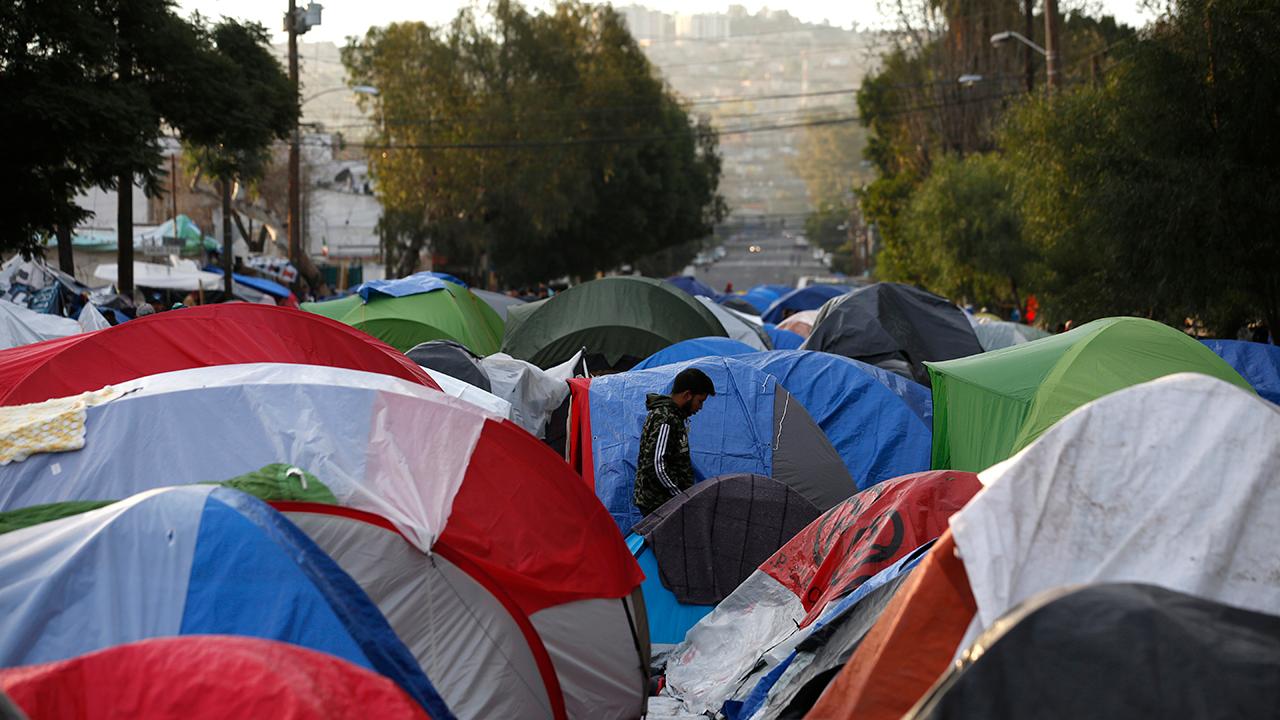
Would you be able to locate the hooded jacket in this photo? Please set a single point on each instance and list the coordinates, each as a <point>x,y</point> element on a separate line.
<point>663,469</point>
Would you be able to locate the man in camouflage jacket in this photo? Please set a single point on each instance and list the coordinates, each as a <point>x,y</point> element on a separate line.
<point>663,468</point>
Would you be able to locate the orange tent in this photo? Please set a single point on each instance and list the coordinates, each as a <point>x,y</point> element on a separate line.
<point>911,645</point>
<point>800,323</point>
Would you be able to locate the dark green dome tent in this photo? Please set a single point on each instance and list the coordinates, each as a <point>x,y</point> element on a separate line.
<point>619,320</point>
<point>988,407</point>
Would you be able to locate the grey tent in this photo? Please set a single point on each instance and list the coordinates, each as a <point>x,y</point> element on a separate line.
<point>709,538</point>
<point>893,326</point>
<point>453,359</point>
<point>499,302</point>
<point>1116,651</point>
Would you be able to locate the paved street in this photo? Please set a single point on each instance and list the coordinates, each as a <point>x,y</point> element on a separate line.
<point>780,261</point>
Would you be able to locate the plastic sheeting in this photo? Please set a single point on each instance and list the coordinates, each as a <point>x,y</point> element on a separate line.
<point>1116,651</point>
<point>896,327</point>
<point>473,395</point>
<point>206,678</point>
<point>878,422</point>
<point>694,349</point>
<point>996,334</point>
<point>202,336</point>
<point>20,325</point>
<point>1155,483</point>
<point>1258,363</point>
<point>693,286</point>
<point>90,319</point>
<point>416,284</point>
<point>152,275</point>
<point>534,393</point>
<point>783,339</point>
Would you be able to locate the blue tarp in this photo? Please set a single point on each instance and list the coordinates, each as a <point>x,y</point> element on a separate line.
<point>809,298</point>
<point>878,422</point>
<point>732,434</point>
<point>416,284</point>
<point>762,296</point>
<point>669,619</point>
<point>695,348</point>
<point>270,287</point>
<point>783,339</point>
<point>693,286</point>
<point>1258,363</point>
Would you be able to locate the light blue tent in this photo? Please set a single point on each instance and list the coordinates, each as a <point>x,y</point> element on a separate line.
<point>195,560</point>
<point>879,423</point>
<point>783,339</point>
<point>695,348</point>
<point>806,298</point>
<point>762,296</point>
<point>752,425</point>
<point>1258,363</point>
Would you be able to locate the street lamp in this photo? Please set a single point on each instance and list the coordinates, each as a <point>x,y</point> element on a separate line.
<point>968,80</point>
<point>1002,38</point>
<point>296,22</point>
<point>357,89</point>
<point>1049,51</point>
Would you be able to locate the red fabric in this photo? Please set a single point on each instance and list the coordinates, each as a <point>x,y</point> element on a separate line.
<point>529,522</point>
<point>909,647</point>
<point>197,677</point>
<point>867,533</point>
<point>541,657</point>
<point>580,430</point>
<point>196,337</point>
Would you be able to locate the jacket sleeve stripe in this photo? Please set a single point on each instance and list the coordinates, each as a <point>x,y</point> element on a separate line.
<point>659,459</point>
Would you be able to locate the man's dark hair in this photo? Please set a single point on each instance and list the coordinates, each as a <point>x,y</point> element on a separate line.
<point>695,381</point>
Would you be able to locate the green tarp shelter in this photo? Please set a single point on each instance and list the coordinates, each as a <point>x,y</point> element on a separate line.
<point>988,407</point>
<point>624,319</point>
<point>452,313</point>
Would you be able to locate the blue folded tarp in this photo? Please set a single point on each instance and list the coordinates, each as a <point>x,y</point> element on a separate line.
<point>272,288</point>
<point>1256,362</point>
<point>783,339</point>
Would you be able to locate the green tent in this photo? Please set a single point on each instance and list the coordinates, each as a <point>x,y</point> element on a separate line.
<point>453,313</point>
<point>625,319</point>
<point>987,407</point>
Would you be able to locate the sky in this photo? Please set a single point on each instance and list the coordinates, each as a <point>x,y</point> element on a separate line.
<point>343,18</point>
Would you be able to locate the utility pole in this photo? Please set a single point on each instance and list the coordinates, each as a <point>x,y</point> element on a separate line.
<point>295,227</point>
<point>124,205</point>
<point>1029,29</point>
<point>227,263</point>
<point>1051,44</point>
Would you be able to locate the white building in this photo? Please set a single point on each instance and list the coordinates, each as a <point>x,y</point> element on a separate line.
<point>703,26</point>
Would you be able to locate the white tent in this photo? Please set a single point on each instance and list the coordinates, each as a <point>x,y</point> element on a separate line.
<point>534,393</point>
<point>996,334</point>
<point>1175,482</point>
<point>21,325</point>
<point>736,324</point>
<point>185,276</point>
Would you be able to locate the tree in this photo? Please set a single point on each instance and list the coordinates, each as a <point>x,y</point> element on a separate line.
<point>251,103</point>
<point>1157,192</point>
<point>532,145</point>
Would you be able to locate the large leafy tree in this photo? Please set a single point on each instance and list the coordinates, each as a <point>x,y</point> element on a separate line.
<point>532,144</point>
<point>1159,192</point>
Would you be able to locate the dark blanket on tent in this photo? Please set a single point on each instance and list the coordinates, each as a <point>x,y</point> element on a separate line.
<point>452,359</point>
<point>708,539</point>
<point>895,327</point>
<point>1116,651</point>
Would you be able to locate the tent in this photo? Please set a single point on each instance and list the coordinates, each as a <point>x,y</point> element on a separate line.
<point>206,677</point>
<point>413,310</point>
<point>741,304</point>
<point>752,425</point>
<point>693,286</point>
<point>187,277</point>
<point>894,326</point>
<point>805,298</point>
<point>693,349</point>
<point>800,323</point>
<point>1059,517</point>
<point>988,407</point>
<point>701,545</point>
<point>621,320</point>
<point>1257,363</point>
<point>22,326</point>
<point>878,422</point>
<point>832,557</point>
<point>761,297</point>
<point>996,334</point>
<point>739,326</point>
<point>1143,651</point>
<point>446,477</point>
<point>187,561</point>
<point>453,359</point>
<point>499,302</point>
<point>535,394</point>
<point>783,339</point>
<point>195,337</point>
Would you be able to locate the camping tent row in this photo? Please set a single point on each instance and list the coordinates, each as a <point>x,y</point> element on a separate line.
<point>826,629</point>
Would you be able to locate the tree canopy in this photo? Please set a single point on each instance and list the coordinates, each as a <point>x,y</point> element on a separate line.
<point>536,144</point>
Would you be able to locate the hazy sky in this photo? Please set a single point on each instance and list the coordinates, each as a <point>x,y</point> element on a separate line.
<point>342,18</point>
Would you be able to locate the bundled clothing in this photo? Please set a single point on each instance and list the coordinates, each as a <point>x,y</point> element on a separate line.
<point>663,469</point>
